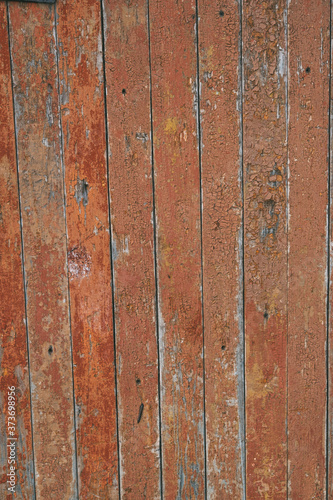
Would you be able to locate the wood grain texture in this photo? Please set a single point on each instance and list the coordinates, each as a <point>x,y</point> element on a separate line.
<point>220,78</point>
<point>13,344</point>
<point>128,106</point>
<point>83,126</point>
<point>265,246</point>
<point>309,52</point>
<point>177,195</point>
<point>44,238</point>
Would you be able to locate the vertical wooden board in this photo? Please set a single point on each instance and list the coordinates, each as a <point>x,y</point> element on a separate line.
<point>309,49</point>
<point>329,423</point>
<point>265,245</point>
<point>13,347</point>
<point>177,196</point>
<point>128,106</point>
<point>220,78</point>
<point>44,239</point>
<point>83,126</point>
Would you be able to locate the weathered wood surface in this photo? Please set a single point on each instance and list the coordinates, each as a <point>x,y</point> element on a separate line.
<point>220,79</point>
<point>265,246</point>
<point>131,205</point>
<point>84,149</point>
<point>177,199</point>
<point>33,52</point>
<point>308,98</point>
<point>166,165</point>
<point>13,347</point>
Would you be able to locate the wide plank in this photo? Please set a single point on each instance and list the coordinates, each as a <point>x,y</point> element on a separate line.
<point>264,28</point>
<point>131,196</point>
<point>220,80</point>
<point>79,31</point>
<point>177,203</point>
<point>33,51</point>
<point>308,97</point>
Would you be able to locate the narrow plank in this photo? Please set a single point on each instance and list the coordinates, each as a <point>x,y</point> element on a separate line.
<point>329,473</point>
<point>177,196</point>
<point>44,238</point>
<point>83,125</point>
<point>309,52</point>
<point>220,78</point>
<point>265,246</point>
<point>13,346</point>
<point>128,104</point>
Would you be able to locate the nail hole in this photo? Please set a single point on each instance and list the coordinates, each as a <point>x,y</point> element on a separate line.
<point>221,13</point>
<point>308,69</point>
<point>223,348</point>
<point>123,91</point>
<point>138,381</point>
<point>50,350</point>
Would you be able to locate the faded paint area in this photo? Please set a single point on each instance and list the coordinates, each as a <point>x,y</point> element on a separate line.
<point>177,196</point>
<point>219,40</point>
<point>265,246</point>
<point>128,106</point>
<point>309,54</point>
<point>44,237</point>
<point>79,33</point>
<point>13,344</point>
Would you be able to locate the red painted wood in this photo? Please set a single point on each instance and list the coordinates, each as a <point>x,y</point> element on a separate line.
<point>13,345</point>
<point>309,52</point>
<point>83,127</point>
<point>220,77</point>
<point>128,106</point>
<point>265,246</point>
<point>44,239</point>
<point>177,195</point>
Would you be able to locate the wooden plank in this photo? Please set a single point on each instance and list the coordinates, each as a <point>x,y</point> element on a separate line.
<point>265,246</point>
<point>128,104</point>
<point>309,53</point>
<point>177,195</point>
<point>44,238</point>
<point>329,430</point>
<point>83,126</point>
<point>13,346</point>
<point>220,78</point>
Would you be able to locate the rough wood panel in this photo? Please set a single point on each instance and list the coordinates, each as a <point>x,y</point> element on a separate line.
<point>309,51</point>
<point>220,78</point>
<point>13,346</point>
<point>265,246</point>
<point>128,106</point>
<point>83,125</point>
<point>44,238</point>
<point>177,195</point>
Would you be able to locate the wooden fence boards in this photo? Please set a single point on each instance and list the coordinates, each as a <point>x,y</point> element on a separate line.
<point>309,53</point>
<point>165,249</point>
<point>13,349</point>
<point>44,239</point>
<point>220,79</point>
<point>265,246</point>
<point>131,204</point>
<point>177,197</point>
<point>84,147</point>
